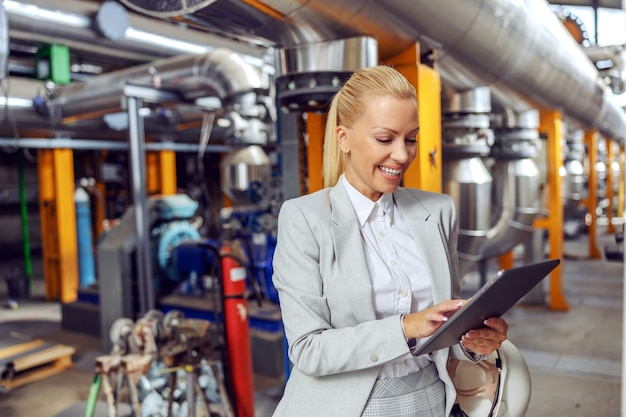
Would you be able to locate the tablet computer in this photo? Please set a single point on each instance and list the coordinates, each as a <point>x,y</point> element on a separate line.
<point>494,299</point>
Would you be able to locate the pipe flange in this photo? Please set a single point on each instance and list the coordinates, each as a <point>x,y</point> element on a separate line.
<point>308,91</point>
<point>464,151</point>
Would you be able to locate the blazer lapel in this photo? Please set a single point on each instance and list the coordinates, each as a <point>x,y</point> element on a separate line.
<point>429,239</point>
<point>350,256</point>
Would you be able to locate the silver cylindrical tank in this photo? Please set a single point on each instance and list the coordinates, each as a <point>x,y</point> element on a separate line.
<point>311,74</point>
<point>469,183</point>
<point>466,137</point>
<point>246,176</point>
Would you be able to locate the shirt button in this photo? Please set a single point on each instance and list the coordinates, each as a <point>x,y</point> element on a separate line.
<point>374,358</point>
<point>404,293</point>
<point>392,263</point>
<point>381,234</point>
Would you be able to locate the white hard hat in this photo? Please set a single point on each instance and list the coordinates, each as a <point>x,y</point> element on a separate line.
<point>498,386</point>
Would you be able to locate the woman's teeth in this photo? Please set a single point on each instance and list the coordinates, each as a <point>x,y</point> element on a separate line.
<point>390,171</point>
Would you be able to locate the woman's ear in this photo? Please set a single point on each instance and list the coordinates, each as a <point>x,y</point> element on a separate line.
<point>342,138</point>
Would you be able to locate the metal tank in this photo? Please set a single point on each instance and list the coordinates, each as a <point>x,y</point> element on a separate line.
<point>311,74</point>
<point>466,138</point>
<point>515,46</point>
<point>246,176</point>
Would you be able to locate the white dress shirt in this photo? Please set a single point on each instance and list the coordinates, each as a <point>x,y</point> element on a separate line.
<point>400,279</point>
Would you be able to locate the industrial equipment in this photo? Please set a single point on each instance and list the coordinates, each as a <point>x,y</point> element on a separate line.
<point>169,364</point>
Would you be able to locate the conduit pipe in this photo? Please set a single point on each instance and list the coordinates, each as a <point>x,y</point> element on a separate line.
<point>518,46</point>
<point>71,23</point>
<point>242,88</point>
<point>616,71</point>
<point>18,117</point>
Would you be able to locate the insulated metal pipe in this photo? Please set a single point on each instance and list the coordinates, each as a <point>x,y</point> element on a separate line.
<point>518,46</point>
<point>220,73</point>
<point>71,23</point>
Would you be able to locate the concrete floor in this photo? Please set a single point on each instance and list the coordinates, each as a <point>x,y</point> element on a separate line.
<point>574,357</point>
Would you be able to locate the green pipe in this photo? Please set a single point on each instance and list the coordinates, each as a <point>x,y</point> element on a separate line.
<point>93,395</point>
<point>28,268</point>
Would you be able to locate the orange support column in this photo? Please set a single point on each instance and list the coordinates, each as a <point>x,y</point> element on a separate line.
<point>591,141</point>
<point>161,172</point>
<point>610,184</point>
<point>58,223</point>
<point>315,126</point>
<point>425,172</point>
<point>152,173</point>
<point>551,126</point>
<point>167,172</point>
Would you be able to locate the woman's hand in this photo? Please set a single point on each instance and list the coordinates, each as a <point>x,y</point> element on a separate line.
<point>426,322</point>
<point>486,340</point>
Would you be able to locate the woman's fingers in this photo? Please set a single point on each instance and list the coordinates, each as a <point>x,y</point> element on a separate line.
<point>486,340</point>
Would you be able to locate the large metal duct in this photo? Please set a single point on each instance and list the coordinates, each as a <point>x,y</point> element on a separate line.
<point>221,73</point>
<point>519,46</point>
<point>74,23</point>
<point>466,138</point>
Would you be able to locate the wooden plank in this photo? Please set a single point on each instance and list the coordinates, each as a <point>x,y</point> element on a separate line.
<point>42,357</point>
<point>36,374</point>
<point>10,351</point>
<point>39,365</point>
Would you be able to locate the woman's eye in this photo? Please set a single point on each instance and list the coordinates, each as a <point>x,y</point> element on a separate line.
<point>410,140</point>
<point>384,140</point>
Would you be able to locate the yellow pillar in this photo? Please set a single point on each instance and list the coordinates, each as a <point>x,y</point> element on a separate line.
<point>152,173</point>
<point>591,141</point>
<point>167,172</point>
<point>315,126</point>
<point>551,126</point>
<point>58,223</point>
<point>425,172</point>
<point>610,184</point>
<point>161,172</point>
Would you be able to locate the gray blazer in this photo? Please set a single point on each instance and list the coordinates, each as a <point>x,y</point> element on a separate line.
<point>336,344</point>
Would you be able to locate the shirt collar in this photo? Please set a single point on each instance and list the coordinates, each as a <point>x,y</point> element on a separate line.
<point>364,206</point>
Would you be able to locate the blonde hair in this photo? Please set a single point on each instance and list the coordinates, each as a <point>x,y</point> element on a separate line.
<point>349,104</point>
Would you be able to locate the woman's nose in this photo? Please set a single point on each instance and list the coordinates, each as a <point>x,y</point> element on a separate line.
<point>400,153</point>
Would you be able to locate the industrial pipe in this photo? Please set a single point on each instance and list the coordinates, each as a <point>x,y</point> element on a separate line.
<point>242,88</point>
<point>516,46</point>
<point>73,23</point>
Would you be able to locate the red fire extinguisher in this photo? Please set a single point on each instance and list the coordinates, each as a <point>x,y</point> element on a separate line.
<point>237,328</point>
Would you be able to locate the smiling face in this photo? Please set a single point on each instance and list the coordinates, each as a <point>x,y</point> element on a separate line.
<point>380,146</point>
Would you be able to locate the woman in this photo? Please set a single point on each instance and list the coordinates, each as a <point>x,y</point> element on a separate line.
<point>366,269</point>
